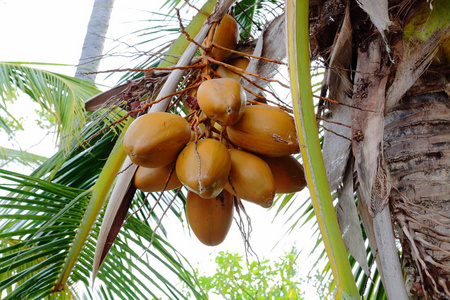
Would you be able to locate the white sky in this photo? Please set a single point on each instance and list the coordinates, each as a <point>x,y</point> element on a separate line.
<point>53,31</point>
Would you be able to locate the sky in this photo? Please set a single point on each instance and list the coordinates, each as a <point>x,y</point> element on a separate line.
<point>53,31</point>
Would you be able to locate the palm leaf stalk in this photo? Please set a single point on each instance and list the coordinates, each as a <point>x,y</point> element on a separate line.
<point>298,52</point>
<point>180,45</point>
<point>99,193</point>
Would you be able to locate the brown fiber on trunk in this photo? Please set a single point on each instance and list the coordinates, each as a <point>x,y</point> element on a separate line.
<point>401,154</point>
<point>417,151</point>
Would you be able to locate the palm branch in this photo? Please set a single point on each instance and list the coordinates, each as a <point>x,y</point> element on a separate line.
<point>21,157</point>
<point>59,95</point>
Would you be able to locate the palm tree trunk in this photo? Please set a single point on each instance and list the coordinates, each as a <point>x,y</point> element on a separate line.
<point>417,152</point>
<point>94,40</point>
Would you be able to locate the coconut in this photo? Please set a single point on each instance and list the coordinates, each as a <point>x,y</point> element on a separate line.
<point>222,100</point>
<point>156,179</point>
<point>155,139</point>
<point>287,172</point>
<point>265,130</point>
<point>203,167</point>
<point>226,34</point>
<point>210,219</point>
<point>250,178</point>
<point>239,62</point>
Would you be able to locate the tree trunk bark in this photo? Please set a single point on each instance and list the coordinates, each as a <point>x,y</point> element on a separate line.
<point>401,149</point>
<point>94,40</point>
<point>417,152</point>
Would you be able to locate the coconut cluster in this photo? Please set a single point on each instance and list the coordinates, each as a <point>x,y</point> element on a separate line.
<point>229,150</point>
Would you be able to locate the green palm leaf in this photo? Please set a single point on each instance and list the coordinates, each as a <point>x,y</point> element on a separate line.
<point>59,95</point>
<point>35,243</point>
<point>19,156</point>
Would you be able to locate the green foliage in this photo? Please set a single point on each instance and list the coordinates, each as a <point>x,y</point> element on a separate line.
<point>59,95</point>
<point>25,158</point>
<point>45,120</point>
<point>266,279</point>
<point>35,242</point>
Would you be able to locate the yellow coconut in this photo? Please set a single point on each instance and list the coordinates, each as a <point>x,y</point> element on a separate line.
<point>156,179</point>
<point>239,62</point>
<point>155,139</point>
<point>250,178</point>
<point>210,219</point>
<point>265,130</point>
<point>203,167</point>
<point>226,35</point>
<point>222,100</point>
<point>287,172</point>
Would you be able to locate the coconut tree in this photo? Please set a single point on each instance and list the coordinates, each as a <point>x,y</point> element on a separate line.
<point>383,120</point>
<point>94,40</point>
<point>365,60</point>
<point>378,57</point>
<point>366,49</point>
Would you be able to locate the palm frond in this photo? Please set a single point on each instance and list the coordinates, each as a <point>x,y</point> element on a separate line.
<point>8,155</point>
<point>253,15</point>
<point>38,224</point>
<point>60,95</point>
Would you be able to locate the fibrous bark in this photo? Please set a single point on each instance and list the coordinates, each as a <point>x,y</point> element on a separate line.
<point>400,130</point>
<point>417,150</point>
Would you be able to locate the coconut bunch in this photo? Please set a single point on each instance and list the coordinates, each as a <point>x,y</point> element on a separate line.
<point>223,150</point>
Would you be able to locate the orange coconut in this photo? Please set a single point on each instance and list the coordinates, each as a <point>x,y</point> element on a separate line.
<point>203,167</point>
<point>250,178</point>
<point>155,139</point>
<point>210,219</point>
<point>287,172</point>
<point>239,62</point>
<point>156,179</point>
<point>265,130</point>
<point>222,100</point>
<point>226,34</point>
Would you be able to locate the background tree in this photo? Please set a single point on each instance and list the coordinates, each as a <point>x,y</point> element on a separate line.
<point>94,40</point>
<point>266,279</point>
